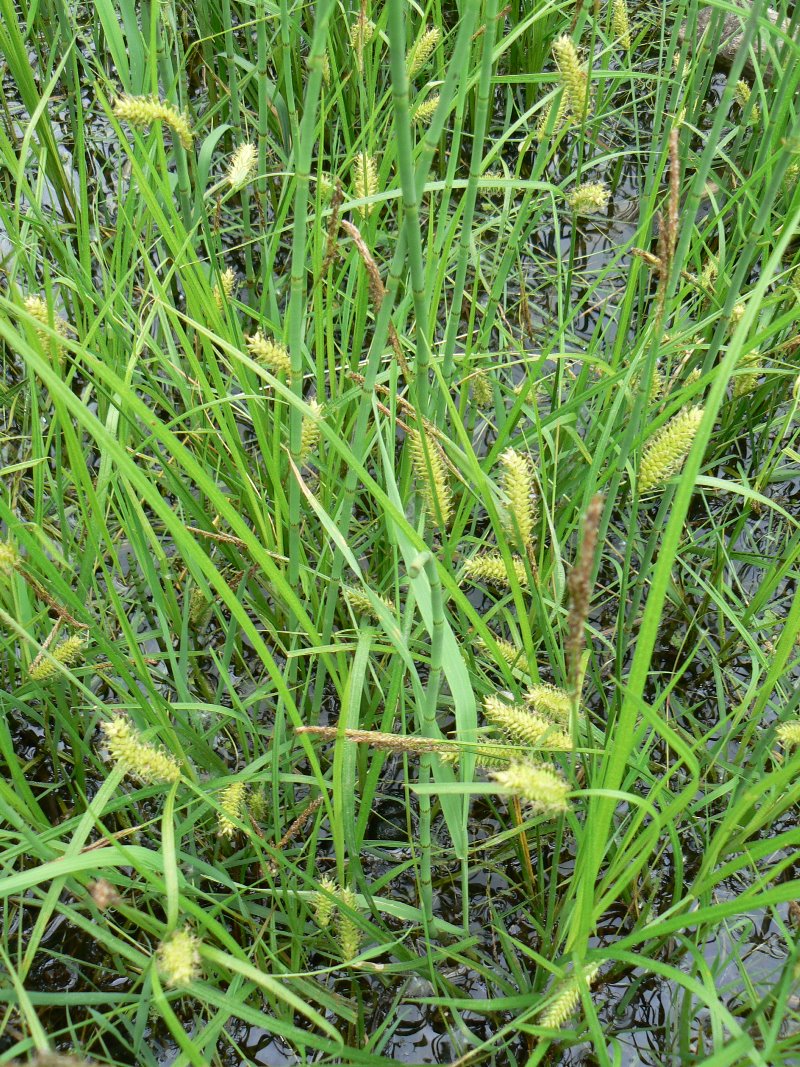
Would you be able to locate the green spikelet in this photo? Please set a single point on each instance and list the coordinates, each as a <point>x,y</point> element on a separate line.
<point>178,959</point>
<point>482,390</point>
<point>324,902</point>
<point>746,383</point>
<point>513,655</point>
<point>517,479</point>
<point>200,608</point>
<point>573,76</point>
<point>432,480</point>
<point>362,605</point>
<point>271,354</point>
<point>348,932</point>
<point>422,50</point>
<point>361,33</point>
<point>539,785</point>
<point>620,23</point>
<point>232,802</point>
<point>68,653</point>
<point>242,165</point>
<point>140,111</point>
<point>525,727</point>
<point>491,568</point>
<point>566,1000</point>
<point>666,451</point>
<point>708,275</point>
<point>549,700</point>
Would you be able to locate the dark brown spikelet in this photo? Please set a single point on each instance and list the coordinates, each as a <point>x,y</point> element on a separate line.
<point>579,585</point>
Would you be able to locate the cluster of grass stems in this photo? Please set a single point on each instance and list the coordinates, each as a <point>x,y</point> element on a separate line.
<point>320,409</point>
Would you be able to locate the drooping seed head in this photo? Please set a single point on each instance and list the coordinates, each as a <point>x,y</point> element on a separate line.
<point>425,111</point>
<point>517,480</point>
<point>788,733</point>
<point>573,76</point>
<point>325,902</point>
<point>365,181</point>
<point>432,479</point>
<point>620,23</point>
<point>566,999</point>
<point>10,558</point>
<point>68,653</point>
<point>309,431</point>
<point>550,700</point>
<point>524,727</point>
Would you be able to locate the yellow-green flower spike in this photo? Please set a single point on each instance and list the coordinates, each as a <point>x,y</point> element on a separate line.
<point>178,959</point>
<point>361,33</point>
<point>489,757</point>
<point>558,122</point>
<point>273,355</point>
<point>140,111</point>
<point>431,476</point>
<point>68,653</point>
<point>566,1000</point>
<point>38,309</point>
<point>589,198</point>
<point>525,727</point>
<point>491,568</point>
<point>138,757</point>
<point>365,181</point>
<point>666,451</point>
<point>242,165</point>
<point>231,802</point>
<point>422,50</point>
<point>549,700</point>
<point>573,76</point>
<point>482,389</point>
<point>539,785</point>
<point>517,479</point>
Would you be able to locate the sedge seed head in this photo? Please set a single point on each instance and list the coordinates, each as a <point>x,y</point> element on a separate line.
<point>567,998</point>
<point>620,23</point>
<point>511,653</point>
<point>309,432</point>
<point>432,478</point>
<point>525,727</point>
<point>365,181</point>
<point>422,50</point>
<point>589,198</point>
<point>324,902</point>
<point>573,76</point>
<point>142,111</point>
<point>788,733</point>
<point>490,567</point>
<point>9,558</point>
<point>666,451</point>
<point>517,479</point>
<point>750,363</point>
<point>242,165</point>
<point>549,700</point>
<point>562,111</point>
<point>425,111</point>
<point>231,802</point>
<point>362,605</point>
<point>348,932</point>
<point>178,959</point>
<point>272,354</point>
<point>224,290</point>
<point>539,785</point>
<point>361,33</point>
<point>68,653</point>
<point>138,757</point>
